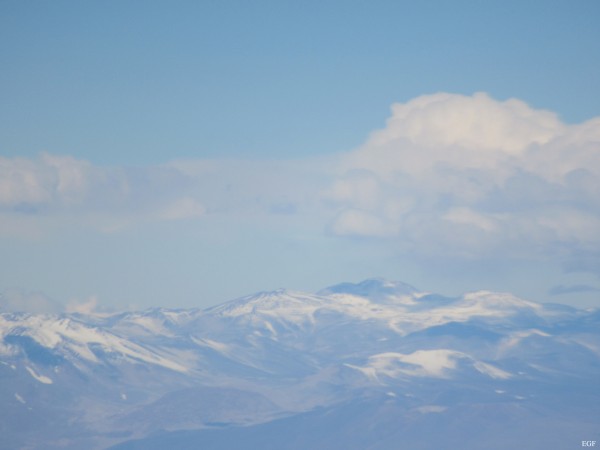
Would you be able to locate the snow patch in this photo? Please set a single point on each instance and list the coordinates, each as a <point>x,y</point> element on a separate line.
<point>215,345</point>
<point>424,363</point>
<point>369,372</point>
<point>516,337</point>
<point>41,378</point>
<point>149,324</point>
<point>492,371</point>
<point>269,327</point>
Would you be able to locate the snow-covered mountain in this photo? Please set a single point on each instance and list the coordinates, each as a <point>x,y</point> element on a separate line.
<point>364,365</point>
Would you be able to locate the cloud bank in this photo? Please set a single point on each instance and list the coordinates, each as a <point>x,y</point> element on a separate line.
<point>111,198</point>
<point>449,177</point>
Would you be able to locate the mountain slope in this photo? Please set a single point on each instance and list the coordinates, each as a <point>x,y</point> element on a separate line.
<point>283,358</point>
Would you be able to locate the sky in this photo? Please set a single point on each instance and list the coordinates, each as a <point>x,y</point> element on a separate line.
<point>182,154</point>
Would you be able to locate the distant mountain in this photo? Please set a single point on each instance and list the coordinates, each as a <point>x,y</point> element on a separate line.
<point>377,364</point>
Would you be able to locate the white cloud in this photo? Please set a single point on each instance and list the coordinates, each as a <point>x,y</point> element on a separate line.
<point>447,130</point>
<point>46,193</point>
<point>50,182</point>
<point>53,189</point>
<point>71,177</point>
<point>478,122</point>
<point>25,181</point>
<point>454,175</point>
<point>85,307</point>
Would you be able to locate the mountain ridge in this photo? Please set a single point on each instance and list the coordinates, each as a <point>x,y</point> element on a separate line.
<point>283,353</point>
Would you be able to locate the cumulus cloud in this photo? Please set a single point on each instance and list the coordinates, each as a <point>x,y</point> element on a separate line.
<point>442,121</point>
<point>470,176</point>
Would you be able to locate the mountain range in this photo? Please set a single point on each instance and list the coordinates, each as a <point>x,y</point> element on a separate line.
<point>376,364</point>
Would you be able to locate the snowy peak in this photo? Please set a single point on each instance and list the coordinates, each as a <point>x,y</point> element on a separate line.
<point>392,304</point>
<point>280,302</point>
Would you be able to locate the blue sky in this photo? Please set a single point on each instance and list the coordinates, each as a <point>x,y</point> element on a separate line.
<point>184,153</point>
